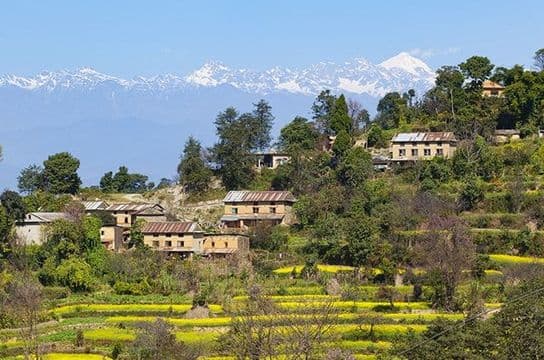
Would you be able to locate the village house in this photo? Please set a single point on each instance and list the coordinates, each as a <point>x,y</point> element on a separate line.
<point>491,88</point>
<point>30,231</point>
<point>271,159</point>
<point>246,209</point>
<point>111,236</point>
<point>422,146</point>
<point>505,135</point>
<point>127,214</point>
<point>186,239</point>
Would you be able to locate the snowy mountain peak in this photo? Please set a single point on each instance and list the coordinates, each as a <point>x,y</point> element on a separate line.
<point>408,63</point>
<point>357,76</point>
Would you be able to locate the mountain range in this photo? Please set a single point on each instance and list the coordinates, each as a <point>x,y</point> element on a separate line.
<point>108,121</point>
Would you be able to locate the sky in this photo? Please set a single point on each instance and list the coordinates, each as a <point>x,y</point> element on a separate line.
<point>129,38</point>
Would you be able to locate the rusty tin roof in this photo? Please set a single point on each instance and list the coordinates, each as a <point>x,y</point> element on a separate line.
<point>256,196</point>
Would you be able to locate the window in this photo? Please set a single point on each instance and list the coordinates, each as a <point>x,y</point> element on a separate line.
<point>272,210</point>
<point>439,143</point>
<point>155,235</point>
<point>494,92</point>
<point>439,152</point>
<point>234,210</point>
<point>414,152</point>
<point>168,235</point>
<point>213,243</point>
<point>168,243</point>
<point>427,152</point>
<point>402,152</point>
<point>226,244</point>
<point>155,243</point>
<point>102,232</point>
<point>255,210</point>
<point>402,144</point>
<point>181,243</point>
<point>126,219</point>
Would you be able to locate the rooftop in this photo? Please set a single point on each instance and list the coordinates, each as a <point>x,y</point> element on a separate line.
<point>172,227</point>
<point>424,137</point>
<point>488,84</point>
<point>255,196</point>
<point>45,217</point>
<point>95,205</point>
<point>131,207</point>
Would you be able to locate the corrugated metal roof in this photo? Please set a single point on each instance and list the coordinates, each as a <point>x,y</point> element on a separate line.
<point>47,216</point>
<point>94,205</point>
<point>256,196</point>
<point>131,207</point>
<point>424,137</point>
<point>172,227</point>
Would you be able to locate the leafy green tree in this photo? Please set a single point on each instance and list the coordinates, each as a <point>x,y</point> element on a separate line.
<point>539,59</point>
<point>76,274</point>
<point>30,179</point>
<point>355,167</point>
<point>233,152</point>
<point>136,235</point>
<point>5,229</point>
<point>106,182</point>
<point>63,240</point>
<point>322,110</point>
<point>342,144</point>
<point>376,137</point>
<point>298,136</point>
<point>392,110</point>
<point>471,194</point>
<point>194,175</point>
<point>14,205</point>
<point>91,230</point>
<point>60,174</point>
<point>476,69</point>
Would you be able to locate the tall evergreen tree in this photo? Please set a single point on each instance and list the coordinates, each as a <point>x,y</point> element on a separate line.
<point>262,124</point>
<point>193,173</point>
<point>30,179</point>
<point>339,119</point>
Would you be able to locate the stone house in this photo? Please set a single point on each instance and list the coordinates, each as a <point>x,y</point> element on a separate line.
<point>422,146</point>
<point>30,231</point>
<point>247,209</point>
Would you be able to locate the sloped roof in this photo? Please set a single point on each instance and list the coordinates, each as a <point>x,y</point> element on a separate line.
<point>256,196</point>
<point>94,205</point>
<point>133,207</point>
<point>46,217</point>
<point>488,84</point>
<point>424,137</point>
<point>172,227</point>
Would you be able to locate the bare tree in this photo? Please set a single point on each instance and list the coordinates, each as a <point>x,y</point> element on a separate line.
<point>308,330</point>
<point>445,252</point>
<point>156,341</point>
<point>25,304</point>
<point>252,334</point>
<point>359,115</point>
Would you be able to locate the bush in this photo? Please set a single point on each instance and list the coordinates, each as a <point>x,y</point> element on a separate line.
<point>76,274</point>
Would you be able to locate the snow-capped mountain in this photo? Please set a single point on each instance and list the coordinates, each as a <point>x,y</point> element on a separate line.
<point>357,76</point>
<point>94,115</point>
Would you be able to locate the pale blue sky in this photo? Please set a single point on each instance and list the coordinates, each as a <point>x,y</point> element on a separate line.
<point>127,38</point>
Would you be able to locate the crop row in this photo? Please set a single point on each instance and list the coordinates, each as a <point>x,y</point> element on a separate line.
<point>128,308</point>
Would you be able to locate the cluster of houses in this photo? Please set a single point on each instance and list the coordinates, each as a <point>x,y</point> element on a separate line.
<point>243,211</point>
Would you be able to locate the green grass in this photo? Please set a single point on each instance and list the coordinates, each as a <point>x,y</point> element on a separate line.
<point>109,334</point>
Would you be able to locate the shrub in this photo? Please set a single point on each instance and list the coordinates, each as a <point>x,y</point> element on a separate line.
<point>76,274</point>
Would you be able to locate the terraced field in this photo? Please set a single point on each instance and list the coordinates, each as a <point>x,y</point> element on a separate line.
<point>106,324</point>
